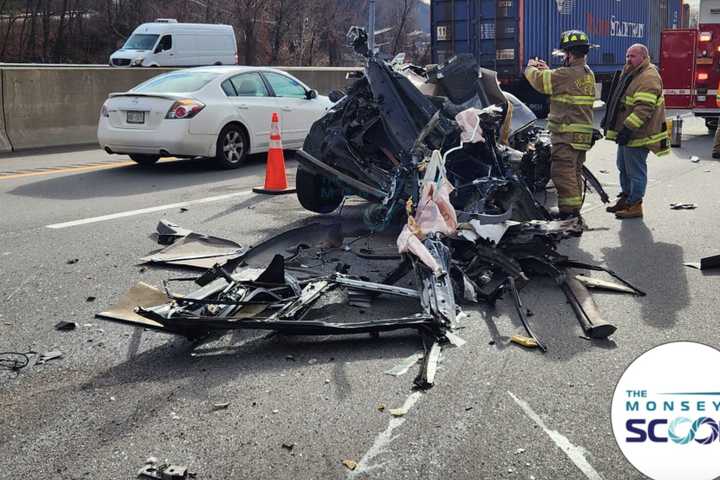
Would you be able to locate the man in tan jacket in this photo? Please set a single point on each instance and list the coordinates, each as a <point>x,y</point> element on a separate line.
<point>572,92</point>
<point>635,119</point>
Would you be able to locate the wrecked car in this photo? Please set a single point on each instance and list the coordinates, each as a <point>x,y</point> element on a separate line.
<point>372,141</point>
<point>449,172</point>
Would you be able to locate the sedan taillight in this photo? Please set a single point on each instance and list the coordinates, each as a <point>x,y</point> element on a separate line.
<point>185,108</point>
<point>104,111</point>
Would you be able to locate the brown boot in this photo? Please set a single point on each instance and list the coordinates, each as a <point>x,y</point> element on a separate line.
<point>630,211</point>
<point>619,205</point>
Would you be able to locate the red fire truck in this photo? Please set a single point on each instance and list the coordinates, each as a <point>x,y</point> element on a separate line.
<point>690,65</point>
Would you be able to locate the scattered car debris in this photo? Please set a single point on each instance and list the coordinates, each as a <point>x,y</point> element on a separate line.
<point>350,464</point>
<point>163,472</point>
<point>524,341</point>
<point>168,232</point>
<point>398,412</point>
<point>456,171</point>
<point>72,261</point>
<point>705,263</point>
<point>586,310</point>
<point>15,361</point>
<point>90,299</point>
<point>683,206</point>
<point>694,159</point>
<point>596,283</point>
<point>288,446</point>
<point>64,326</point>
<point>47,356</point>
<point>221,405</point>
<point>381,408</point>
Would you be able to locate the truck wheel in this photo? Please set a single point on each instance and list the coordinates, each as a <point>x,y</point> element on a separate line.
<point>317,193</point>
<point>232,147</point>
<point>711,124</point>
<point>145,160</point>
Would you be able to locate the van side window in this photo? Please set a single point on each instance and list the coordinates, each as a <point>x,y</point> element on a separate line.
<point>249,85</point>
<point>285,86</point>
<point>165,43</point>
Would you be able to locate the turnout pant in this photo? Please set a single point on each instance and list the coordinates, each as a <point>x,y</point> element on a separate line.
<point>716,143</point>
<point>566,172</point>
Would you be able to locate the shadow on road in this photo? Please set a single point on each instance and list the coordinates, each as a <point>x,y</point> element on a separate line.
<point>658,267</point>
<point>135,179</point>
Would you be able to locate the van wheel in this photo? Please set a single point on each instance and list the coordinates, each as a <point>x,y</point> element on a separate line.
<point>217,63</point>
<point>144,160</point>
<point>317,193</point>
<point>232,147</point>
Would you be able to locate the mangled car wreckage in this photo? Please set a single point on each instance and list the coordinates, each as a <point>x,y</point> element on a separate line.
<point>441,153</point>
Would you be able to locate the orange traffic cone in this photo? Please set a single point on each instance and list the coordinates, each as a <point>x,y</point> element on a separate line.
<point>275,178</point>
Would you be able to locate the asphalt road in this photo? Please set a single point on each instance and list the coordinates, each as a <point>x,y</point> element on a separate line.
<point>119,395</point>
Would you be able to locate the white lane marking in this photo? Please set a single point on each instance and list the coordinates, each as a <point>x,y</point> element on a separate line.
<point>383,440</point>
<point>132,213</point>
<point>403,367</point>
<point>574,453</point>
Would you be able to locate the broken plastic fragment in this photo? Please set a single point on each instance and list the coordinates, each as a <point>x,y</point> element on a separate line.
<point>683,206</point>
<point>64,326</point>
<point>398,412</point>
<point>221,405</point>
<point>350,464</point>
<point>47,356</point>
<point>524,341</point>
<point>590,282</point>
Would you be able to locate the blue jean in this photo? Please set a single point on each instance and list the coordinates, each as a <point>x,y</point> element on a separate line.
<point>632,164</point>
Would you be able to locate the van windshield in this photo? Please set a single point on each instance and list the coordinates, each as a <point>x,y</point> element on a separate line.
<point>141,41</point>
<point>176,82</point>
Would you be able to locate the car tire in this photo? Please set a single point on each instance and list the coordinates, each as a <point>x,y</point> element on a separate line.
<point>232,147</point>
<point>317,193</point>
<point>144,160</point>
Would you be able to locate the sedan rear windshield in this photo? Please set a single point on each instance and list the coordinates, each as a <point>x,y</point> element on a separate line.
<point>141,41</point>
<point>176,82</point>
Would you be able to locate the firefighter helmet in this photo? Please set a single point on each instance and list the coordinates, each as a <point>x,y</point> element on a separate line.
<point>574,38</point>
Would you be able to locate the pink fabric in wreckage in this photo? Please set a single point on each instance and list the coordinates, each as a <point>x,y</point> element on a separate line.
<point>434,213</point>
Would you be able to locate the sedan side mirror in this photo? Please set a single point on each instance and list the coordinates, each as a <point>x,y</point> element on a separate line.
<point>310,94</point>
<point>336,95</point>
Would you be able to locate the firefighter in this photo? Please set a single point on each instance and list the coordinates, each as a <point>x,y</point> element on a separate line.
<point>572,92</point>
<point>635,119</point>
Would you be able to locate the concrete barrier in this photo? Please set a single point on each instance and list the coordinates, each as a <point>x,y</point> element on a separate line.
<point>4,142</point>
<point>50,107</point>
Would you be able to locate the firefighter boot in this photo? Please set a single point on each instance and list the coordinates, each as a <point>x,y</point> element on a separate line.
<point>630,211</point>
<point>619,205</point>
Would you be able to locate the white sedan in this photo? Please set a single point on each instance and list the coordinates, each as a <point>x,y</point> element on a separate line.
<point>216,112</point>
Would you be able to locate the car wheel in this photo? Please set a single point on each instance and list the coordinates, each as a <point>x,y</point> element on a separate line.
<point>317,193</point>
<point>232,147</point>
<point>144,159</point>
<point>711,124</point>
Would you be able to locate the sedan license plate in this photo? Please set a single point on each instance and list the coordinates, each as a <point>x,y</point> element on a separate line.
<point>135,117</point>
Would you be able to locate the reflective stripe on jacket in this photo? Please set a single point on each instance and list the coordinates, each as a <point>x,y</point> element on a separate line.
<point>572,94</point>
<point>642,110</point>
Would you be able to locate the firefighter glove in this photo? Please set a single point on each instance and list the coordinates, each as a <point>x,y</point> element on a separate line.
<point>623,137</point>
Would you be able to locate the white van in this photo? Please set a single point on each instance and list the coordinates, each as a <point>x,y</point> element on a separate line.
<point>167,43</point>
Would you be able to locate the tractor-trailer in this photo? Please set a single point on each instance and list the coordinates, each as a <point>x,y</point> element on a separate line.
<point>504,34</point>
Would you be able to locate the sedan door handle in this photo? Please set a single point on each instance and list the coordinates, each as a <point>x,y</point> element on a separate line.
<point>286,109</point>
<point>242,106</point>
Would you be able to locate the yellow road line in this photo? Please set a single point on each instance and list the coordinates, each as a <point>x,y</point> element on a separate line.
<point>88,167</point>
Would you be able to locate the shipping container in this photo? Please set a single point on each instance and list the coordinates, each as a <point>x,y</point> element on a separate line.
<point>504,34</point>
